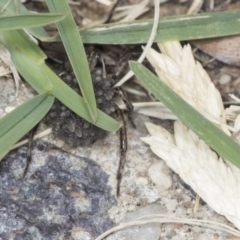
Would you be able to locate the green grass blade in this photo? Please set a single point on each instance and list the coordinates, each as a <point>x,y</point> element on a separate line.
<point>185,27</point>
<point>17,41</point>
<point>21,120</point>
<point>43,79</point>
<point>212,135</point>
<point>76,103</point>
<point>74,47</point>
<point>28,21</point>
<point>11,9</point>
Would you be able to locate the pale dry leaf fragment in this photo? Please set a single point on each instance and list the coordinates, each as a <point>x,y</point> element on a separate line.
<point>131,12</point>
<point>151,109</point>
<point>237,122</point>
<point>157,112</point>
<point>224,49</point>
<point>199,167</point>
<point>195,7</point>
<point>4,71</point>
<point>6,59</point>
<point>105,2</point>
<point>232,112</point>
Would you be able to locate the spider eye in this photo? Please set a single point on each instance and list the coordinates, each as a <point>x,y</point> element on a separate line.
<point>98,79</point>
<point>71,127</point>
<point>78,133</point>
<point>99,72</point>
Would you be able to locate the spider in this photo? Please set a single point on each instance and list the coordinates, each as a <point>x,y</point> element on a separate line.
<point>74,130</point>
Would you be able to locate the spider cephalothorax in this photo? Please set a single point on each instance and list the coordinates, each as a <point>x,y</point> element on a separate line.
<point>68,126</point>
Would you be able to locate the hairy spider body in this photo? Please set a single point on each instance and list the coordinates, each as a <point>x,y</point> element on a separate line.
<point>68,126</point>
<point>74,130</point>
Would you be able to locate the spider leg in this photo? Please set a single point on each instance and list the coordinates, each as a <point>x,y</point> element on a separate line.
<point>124,57</point>
<point>29,150</point>
<point>121,93</point>
<point>111,12</point>
<point>93,57</point>
<point>123,148</point>
<point>104,67</point>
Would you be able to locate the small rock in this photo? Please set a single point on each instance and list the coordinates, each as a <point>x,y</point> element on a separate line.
<point>171,234</point>
<point>159,176</point>
<point>142,181</point>
<point>80,234</point>
<point>171,205</point>
<point>224,79</point>
<point>176,177</point>
<point>187,204</point>
<point>196,229</point>
<point>9,109</point>
<point>147,231</point>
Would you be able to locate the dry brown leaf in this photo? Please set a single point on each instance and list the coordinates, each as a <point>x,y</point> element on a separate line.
<point>223,49</point>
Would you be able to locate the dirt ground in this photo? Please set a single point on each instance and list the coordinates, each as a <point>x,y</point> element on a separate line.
<point>71,193</point>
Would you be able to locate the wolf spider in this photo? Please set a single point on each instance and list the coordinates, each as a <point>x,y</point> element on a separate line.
<point>74,130</point>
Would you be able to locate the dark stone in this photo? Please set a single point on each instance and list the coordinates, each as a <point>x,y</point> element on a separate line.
<point>51,201</point>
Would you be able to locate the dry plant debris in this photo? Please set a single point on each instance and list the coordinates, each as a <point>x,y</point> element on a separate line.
<point>216,182</point>
<point>223,49</point>
<point>9,67</point>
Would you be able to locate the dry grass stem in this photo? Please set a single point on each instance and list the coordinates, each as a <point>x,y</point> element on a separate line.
<point>131,12</point>
<point>161,218</point>
<point>195,7</point>
<point>232,112</point>
<point>37,136</point>
<point>134,91</point>
<point>149,43</point>
<point>151,109</point>
<point>6,59</point>
<point>4,71</point>
<point>105,2</point>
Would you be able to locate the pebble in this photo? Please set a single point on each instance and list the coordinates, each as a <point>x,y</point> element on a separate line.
<point>187,204</point>
<point>224,79</point>
<point>196,229</point>
<point>142,181</point>
<point>142,232</point>
<point>158,175</point>
<point>9,109</point>
<point>171,205</point>
<point>176,177</point>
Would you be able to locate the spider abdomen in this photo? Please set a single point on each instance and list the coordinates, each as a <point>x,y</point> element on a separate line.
<point>68,126</point>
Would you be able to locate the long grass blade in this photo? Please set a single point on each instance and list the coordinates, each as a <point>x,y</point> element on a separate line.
<point>28,21</point>
<point>185,27</point>
<point>75,50</point>
<point>213,136</point>
<point>21,120</point>
<point>17,41</point>
<point>9,8</point>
